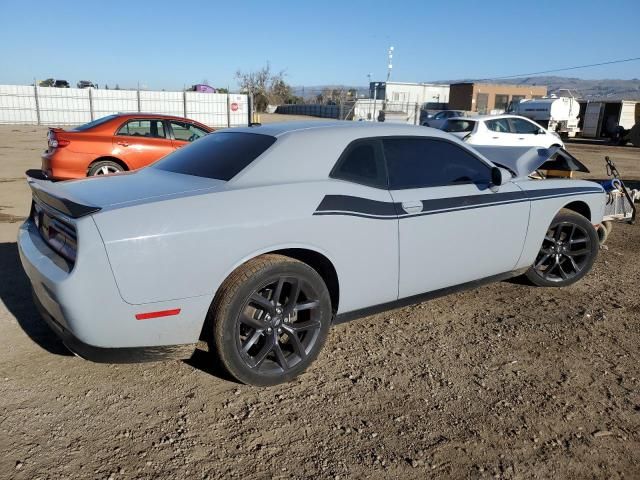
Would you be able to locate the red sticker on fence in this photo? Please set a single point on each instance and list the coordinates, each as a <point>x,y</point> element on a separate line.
<point>234,107</point>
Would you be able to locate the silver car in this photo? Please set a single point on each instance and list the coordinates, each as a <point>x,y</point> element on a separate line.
<point>258,239</point>
<point>439,119</point>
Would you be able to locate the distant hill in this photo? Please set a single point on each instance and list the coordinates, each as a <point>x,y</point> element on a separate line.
<point>606,89</point>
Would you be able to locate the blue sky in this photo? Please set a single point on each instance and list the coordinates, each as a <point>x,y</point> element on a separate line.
<point>171,44</point>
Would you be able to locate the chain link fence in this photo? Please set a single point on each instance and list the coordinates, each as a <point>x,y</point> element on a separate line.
<point>366,109</point>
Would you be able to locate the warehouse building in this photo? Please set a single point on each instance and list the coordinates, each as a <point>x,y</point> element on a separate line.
<point>490,98</point>
<point>409,93</point>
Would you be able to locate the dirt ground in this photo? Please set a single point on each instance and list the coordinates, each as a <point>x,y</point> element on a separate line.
<point>507,381</point>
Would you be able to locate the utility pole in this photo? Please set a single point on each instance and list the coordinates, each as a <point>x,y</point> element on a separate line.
<point>375,97</point>
<point>389,64</point>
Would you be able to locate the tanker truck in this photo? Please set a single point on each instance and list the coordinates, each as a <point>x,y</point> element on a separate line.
<point>556,114</point>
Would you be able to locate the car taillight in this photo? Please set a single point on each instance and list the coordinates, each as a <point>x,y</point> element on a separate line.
<point>58,234</point>
<point>55,142</point>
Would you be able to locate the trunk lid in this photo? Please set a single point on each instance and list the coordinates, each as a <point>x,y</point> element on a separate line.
<point>77,198</point>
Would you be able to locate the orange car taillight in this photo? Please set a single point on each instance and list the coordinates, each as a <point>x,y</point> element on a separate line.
<point>55,142</point>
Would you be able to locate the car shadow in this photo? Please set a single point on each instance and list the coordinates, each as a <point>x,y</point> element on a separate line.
<point>15,293</point>
<point>209,363</point>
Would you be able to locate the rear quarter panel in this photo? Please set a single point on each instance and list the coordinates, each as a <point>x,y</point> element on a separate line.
<point>186,247</point>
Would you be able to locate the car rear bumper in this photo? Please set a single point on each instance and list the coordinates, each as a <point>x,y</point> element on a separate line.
<point>84,307</point>
<point>63,164</point>
<point>112,355</point>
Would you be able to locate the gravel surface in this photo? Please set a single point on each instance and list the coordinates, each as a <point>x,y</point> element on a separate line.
<point>507,381</point>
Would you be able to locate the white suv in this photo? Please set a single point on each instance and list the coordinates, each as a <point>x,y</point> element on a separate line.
<point>501,130</point>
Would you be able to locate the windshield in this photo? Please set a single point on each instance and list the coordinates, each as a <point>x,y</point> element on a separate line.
<point>95,123</point>
<point>220,155</point>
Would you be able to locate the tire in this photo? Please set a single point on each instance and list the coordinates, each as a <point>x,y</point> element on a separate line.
<point>604,230</point>
<point>104,167</point>
<point>568,251</point>
<point>261,341</point>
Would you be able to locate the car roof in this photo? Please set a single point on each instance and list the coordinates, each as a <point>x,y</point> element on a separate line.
<point>342,128</point>
<point>490,117</point>
<point>153,115</point>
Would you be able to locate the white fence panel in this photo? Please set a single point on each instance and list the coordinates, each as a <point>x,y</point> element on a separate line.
<point>207,108</point>
<point>108,102</point>
<point>166,103</point>
<point>238,110</point>
<point>63,106</point>
<point>73,106</point>
<point>18,104</point>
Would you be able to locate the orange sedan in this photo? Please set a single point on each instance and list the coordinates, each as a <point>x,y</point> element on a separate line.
<point>116,143</point>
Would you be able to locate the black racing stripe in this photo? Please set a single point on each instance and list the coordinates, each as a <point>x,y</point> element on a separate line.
<point>361,215</point>
<point>346,203</point>
<point>470,201</point>
<point>375,209</point>
<point>548,192</point>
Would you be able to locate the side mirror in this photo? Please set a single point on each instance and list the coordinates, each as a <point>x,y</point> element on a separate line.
<point>496,177</point>
<point>539,131</point>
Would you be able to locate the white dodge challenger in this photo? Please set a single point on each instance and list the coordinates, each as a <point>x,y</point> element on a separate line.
<point>258,239</point>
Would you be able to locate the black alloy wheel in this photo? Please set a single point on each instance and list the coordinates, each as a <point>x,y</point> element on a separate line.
<point>568,251</point>
<point>279,325</point>
<point>271,318</point>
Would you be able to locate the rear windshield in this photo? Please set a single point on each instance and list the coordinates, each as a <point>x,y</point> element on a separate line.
<point>459,126</point>
<point>220,155</point>
<point>95,123</point>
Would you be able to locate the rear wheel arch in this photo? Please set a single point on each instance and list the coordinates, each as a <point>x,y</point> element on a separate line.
<point>321,264</point>
<point>108,159</point>
<point>316,260</point>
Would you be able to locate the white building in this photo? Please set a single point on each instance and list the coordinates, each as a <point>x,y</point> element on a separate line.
<point>401,101</point>
<point>410,93</point>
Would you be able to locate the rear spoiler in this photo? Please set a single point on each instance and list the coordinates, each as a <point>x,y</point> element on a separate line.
<point>45,192</point>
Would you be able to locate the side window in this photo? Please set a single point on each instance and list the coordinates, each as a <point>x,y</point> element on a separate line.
<point>424,162</point>
<point>186,132</point>
<point>361,164</point>
<point>500,125</point>
<point>522,126</point>
<point>459,126</point>
<point>143,128</point>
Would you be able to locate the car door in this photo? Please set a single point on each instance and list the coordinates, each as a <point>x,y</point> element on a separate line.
<point>527,134</point>
<point>498,133</point>
<point>141,141</point>
<point>454,226</point>
<point>360,223</point>
<point>184,133</point>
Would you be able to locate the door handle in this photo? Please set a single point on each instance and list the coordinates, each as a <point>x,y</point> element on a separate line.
<point>414,206</point>
<point>495,138</point>
<point>124,144</point>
